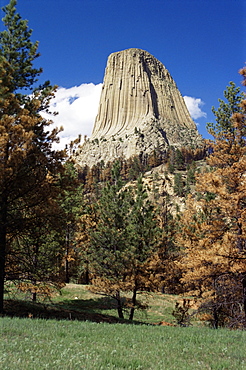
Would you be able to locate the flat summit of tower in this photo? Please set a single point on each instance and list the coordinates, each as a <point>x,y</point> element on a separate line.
<point>140,109</point>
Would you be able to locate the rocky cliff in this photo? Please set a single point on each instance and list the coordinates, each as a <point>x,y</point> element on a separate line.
<point>140,109</point>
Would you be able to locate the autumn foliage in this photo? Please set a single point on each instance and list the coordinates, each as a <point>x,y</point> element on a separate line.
<point>213,235</point>
<point>98,224</point>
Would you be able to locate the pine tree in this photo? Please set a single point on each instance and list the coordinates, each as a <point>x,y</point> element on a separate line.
<point>143,238</point>
<point>119,236</point>
<point>223,116</point>
<point>36,252</point>
<point>178,185</point>
<point>71,204</point>
<point>20,52</point>
<point>28,164</point>
<point>108,241</point>
<point>179,160</point>
<point>213,228</point>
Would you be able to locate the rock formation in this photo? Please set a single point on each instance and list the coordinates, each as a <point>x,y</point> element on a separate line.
<point>140,109</point>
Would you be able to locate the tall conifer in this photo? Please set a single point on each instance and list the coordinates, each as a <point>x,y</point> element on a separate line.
<point>122,238</point>
<point>213,229</point>
<point>28,164</point>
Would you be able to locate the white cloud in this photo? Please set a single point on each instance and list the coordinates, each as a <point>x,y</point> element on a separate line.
<point>77,107</point>
<point>194,107</point>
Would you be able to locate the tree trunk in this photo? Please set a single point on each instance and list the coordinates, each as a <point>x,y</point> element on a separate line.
<point>2,265</point>
<point>34,293</point>
<point>241,248</point>
<point>3,242</point>
<point>67,277</point>
<point>119,305</point>
<point>35,267</point>
<point>34,296</point>
<point>216,317</point>
<point>87,277</point>
<point>244,294</point>
<point>240,240</point>
<point>134,301</point>
<point>215,306</point>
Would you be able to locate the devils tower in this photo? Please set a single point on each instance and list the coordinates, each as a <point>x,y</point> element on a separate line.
<point>140,109</point>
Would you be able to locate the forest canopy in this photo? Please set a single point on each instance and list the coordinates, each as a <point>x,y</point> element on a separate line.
<point>170,221</point>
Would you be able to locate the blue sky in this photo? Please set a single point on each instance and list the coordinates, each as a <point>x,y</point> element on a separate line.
<point>200,42</point>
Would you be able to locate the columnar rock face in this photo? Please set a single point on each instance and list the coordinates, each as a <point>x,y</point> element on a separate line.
<point>137,87</point>
<point>140,109</point>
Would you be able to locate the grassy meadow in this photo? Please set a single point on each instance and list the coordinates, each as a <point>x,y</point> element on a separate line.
<point>78,302</point>
<point>88,335</point>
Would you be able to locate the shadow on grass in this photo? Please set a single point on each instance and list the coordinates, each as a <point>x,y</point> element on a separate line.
<point>82,310</point>
<point>92,304</point>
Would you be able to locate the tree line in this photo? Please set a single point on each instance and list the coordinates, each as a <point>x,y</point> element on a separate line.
<point>133,167</point>
<point>58,222</point>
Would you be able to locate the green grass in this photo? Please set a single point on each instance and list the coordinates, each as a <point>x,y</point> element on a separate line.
<point>80,330</point>
<point>160,306</point>
<point>49,344</point>
<point>78,302</point>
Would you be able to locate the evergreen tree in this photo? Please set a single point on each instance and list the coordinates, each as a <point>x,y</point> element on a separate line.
<point>135,168</point>
<point>28,164</point>
<point>171,160</point>
<point>190,176</point>
<point>143,239</point>
<point>178,185</point>
<point>108,241</point>
<point>71,204</point>
<point>223,116</point>
<point>213,229</point>
<point>20,52</point>
<point>47,242</point>
<point>36,253</point>
<point>179,160</point>
<point>122,234</point>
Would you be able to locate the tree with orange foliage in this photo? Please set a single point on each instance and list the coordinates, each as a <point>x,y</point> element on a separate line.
<point>28,164</point>
<point>213,227</point>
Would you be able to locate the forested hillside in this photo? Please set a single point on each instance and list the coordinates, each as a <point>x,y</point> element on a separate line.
<point>172,221</point>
